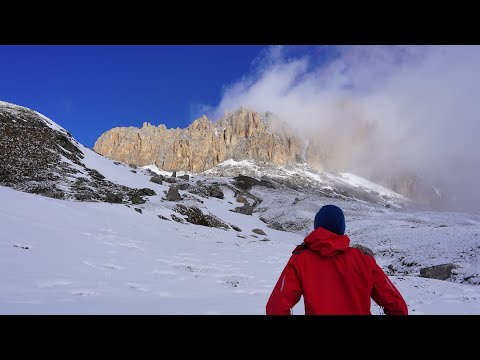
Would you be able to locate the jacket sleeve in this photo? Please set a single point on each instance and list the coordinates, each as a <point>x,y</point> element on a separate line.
<point>286,293</point>
<point>385,294</point>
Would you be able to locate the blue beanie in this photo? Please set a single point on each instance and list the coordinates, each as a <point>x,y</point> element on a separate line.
<point>330,217</point>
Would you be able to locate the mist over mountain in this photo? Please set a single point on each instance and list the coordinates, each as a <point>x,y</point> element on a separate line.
<point>382,112</point>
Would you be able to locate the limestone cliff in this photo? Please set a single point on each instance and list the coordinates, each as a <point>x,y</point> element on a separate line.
<point>202,145</point>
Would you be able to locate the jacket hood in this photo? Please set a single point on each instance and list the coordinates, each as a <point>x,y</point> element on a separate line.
<point>325,242</point>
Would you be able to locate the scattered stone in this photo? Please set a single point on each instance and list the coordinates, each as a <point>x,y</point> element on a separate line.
<point>177,219</point>
<point>183,186</point>
<point>137,199</point>
<point>195,216</point>
<point>259,231</point>
<point>52,192</point>
<point>241,199</point>
<point>171,180</point>
<point>173,194</point>
<point>113,198</point>
<point>95,174</point>
<point>246,182</point>
<point>206,191</point>
<point>157,179</point>
<point>391,269</point>
<point>174,174</point>
<point>83,197</point>
<point>246,209</point>
<point>138,210</point>
<point>134,171</point>
<point>276,226</point>
<point>163,217</point>
<point>265,239</point>
<point>21,247</point>
<point>216,192</point>
<point>236,228</point>
<point>439,272</point>
<point>145,192</point>
<point>184,177</point>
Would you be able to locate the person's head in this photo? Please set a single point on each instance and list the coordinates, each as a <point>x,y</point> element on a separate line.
<point>331,218</point>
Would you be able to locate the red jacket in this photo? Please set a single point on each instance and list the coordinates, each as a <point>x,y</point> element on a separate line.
<point>334,279</point>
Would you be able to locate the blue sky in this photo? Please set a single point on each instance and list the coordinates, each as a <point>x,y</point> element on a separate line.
<point>91,89</point>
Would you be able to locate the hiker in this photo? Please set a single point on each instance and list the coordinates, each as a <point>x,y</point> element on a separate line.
<point>334,278</point>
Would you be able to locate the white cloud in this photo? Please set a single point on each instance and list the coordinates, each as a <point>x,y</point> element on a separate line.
<point>420,104</point>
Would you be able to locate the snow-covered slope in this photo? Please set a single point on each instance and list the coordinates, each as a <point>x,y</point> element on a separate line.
<point>40,157</point>
<point>71,257</point>
<point>63,257</point>
<point>301,177</point>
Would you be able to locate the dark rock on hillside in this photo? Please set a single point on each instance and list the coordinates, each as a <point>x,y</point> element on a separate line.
<point>136,199</point>
<point>216,192</point>
<point>246,182</point>
<point>170,180</point>
<point>246,209</point>
<point>113,198</point>
<point>276,226</point>
<point>236,228</point>
<point>195,216</point>
<point>38,157</point>
<point>440,272</point>
<point>173,194</point>
<point>158,179</point>
<point>145,192</point>
<point>241,199</point>
<point>177,219</point>
<point>183,186</point>
<point>206,190</point>
<point>259,231</point>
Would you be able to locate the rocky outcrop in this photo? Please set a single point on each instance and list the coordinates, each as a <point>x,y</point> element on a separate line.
<point>240,135</point>
<point>173,194</point>
<point>38,156</point>
<point>195,216</point>
<point>259,231</point>
<point>440,272</point>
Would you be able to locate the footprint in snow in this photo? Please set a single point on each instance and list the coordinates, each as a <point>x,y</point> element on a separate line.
<point>83,292</point>
<point>236,280</point>
<point>114,266</point>
<point>138,287</point>
<point>163,272</point>
<point>53,283</point>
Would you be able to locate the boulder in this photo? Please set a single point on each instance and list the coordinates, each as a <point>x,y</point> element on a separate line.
<point>439,272</point>
<point>173,195</point>
<point>259,231</point>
